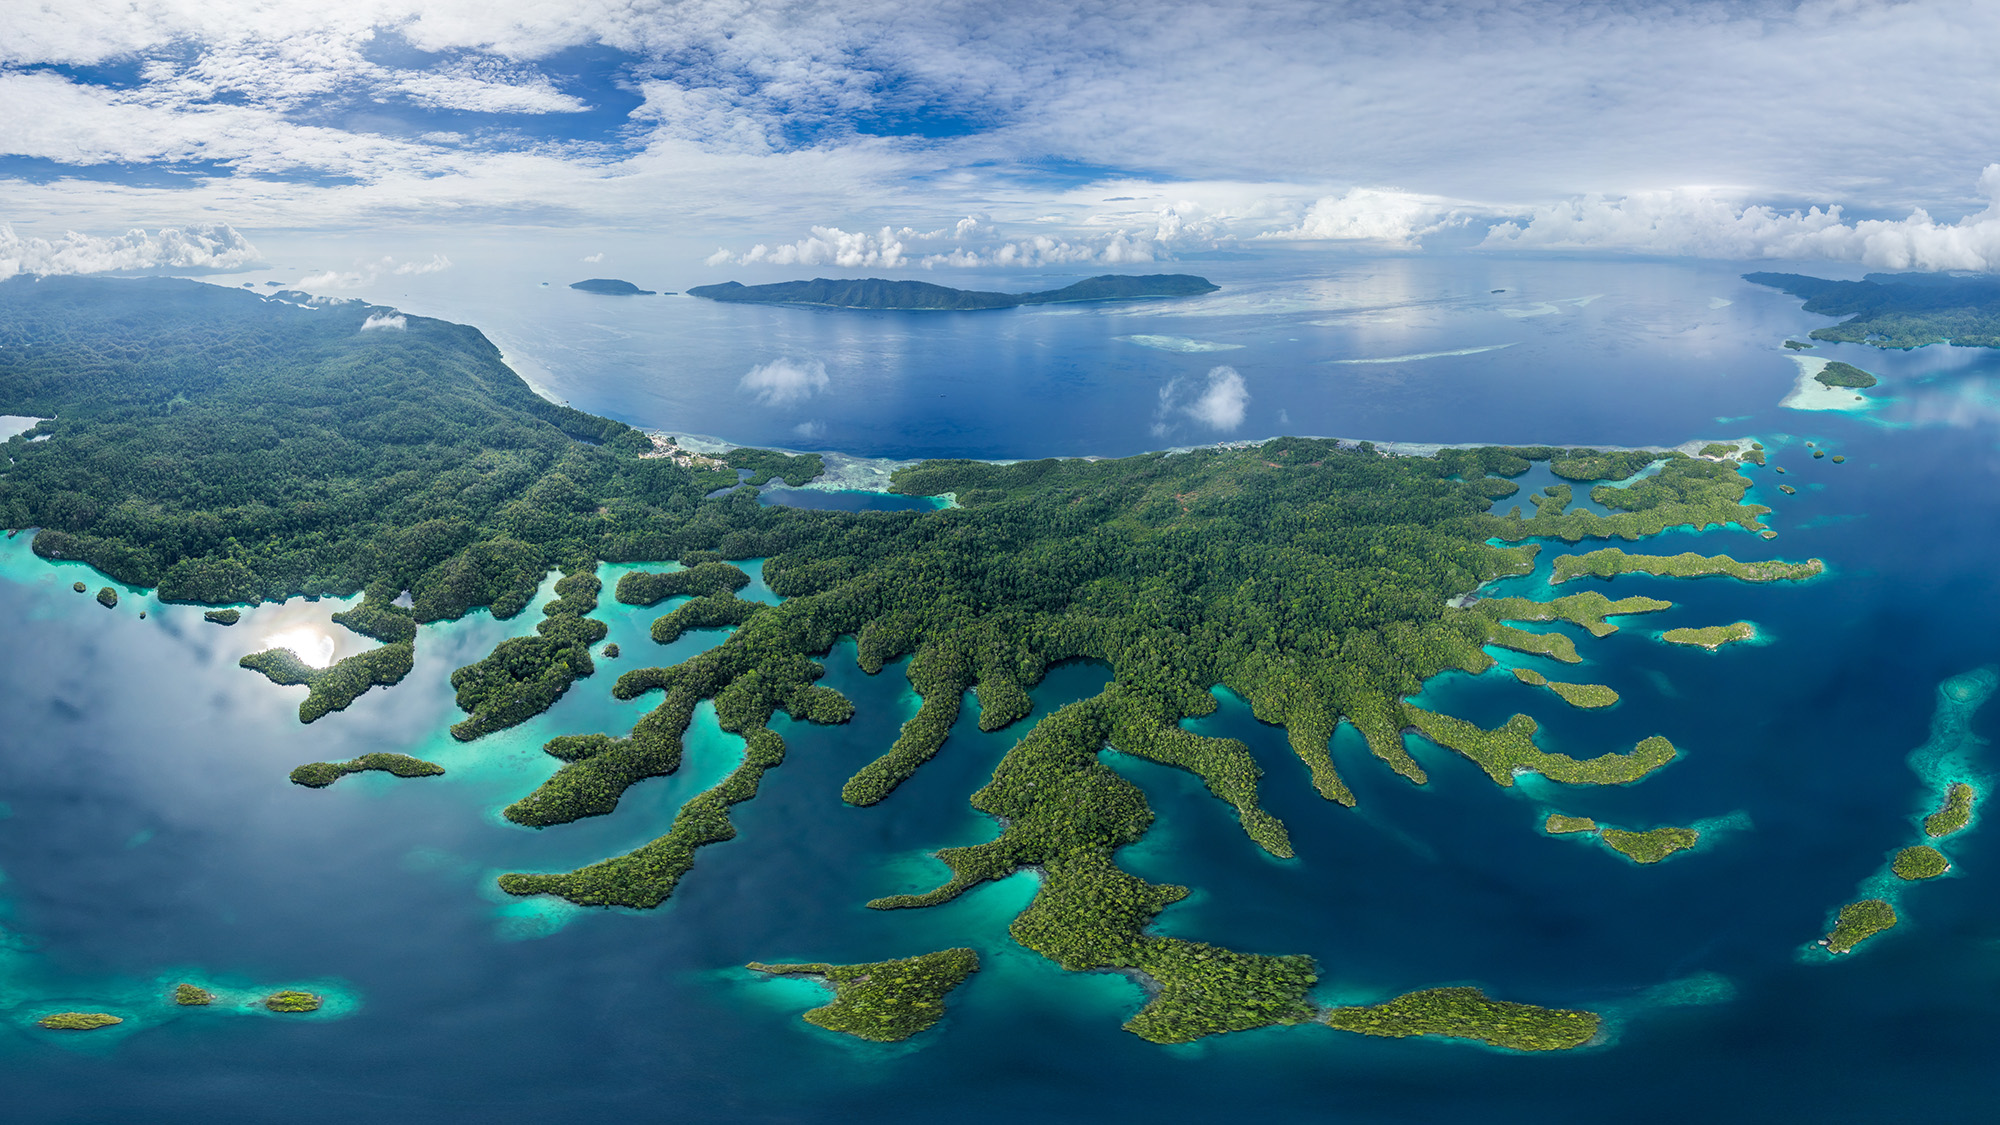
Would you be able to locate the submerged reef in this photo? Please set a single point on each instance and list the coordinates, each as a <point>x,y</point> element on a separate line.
<point>1467,1013</point>
<point>888,1000</point>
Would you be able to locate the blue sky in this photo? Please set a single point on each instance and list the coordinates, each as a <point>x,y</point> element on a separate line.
<point>895,136</point>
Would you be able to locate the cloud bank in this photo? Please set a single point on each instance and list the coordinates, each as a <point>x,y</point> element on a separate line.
<point>1697,224</point>
<point>209,246</point>
<point>785,382</point>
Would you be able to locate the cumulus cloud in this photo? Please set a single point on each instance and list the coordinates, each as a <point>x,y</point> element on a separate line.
<point>785,382</point>
<point>207,246</point>
<point>367,272</point>
<point>437,263</point>
<point>593,259</point>
<point>1367,214</point>
<point>1699,224</point>
<point>394,322</point>
<point>810,430</point>
<point>970,243</point>
<point>1216,400</point>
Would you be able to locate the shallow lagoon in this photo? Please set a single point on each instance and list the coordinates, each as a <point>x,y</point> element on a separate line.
<point>154,833</point>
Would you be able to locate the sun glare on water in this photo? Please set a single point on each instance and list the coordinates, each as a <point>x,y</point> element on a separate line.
<point>311,645</point>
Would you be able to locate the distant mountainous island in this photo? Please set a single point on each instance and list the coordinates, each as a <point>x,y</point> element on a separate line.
<point>1899,310</point>
<point>611,287</point>
<point>877,293</point>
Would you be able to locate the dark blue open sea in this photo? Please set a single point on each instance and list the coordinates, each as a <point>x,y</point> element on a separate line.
<point>152,836</point>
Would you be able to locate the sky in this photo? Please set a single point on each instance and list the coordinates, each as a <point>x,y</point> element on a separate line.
<point>901,138</point>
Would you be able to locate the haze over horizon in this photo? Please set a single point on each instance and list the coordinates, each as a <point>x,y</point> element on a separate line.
<point>864,135</point>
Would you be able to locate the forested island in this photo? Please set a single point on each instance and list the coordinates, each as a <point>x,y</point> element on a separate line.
<point>1899,310</point>
<point>228,449</point>
<point>610,287</point>
<point>877,293</point>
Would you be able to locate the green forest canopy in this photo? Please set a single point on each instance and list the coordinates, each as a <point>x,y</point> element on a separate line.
<point>229,448</point>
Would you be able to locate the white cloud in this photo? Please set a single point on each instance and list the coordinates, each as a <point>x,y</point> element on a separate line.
<point>1221,404</point>
<point>367,272</point>
<point>757,112</point>
<point>970,243</point>
<point>785,382</point>
<point>810,430</point>
<point>385,321</point>
<point>1218,401</point>
<point>1699,224</point>
<point>1366,214</point>
<point>593,259</point>
<point>207,246</point>
<point>437,264</point>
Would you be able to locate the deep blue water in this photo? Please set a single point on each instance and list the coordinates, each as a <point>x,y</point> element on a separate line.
<point>154,837</point>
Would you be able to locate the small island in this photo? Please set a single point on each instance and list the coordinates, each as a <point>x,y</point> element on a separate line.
<point>886,1001</point>
<point>1651,846</point>
<point>192,996</point>
<point>1711,638</point>
<point>1467,1013</point>
<point>1609,562</point>
<point>610,287</point>
<point>78,1021</point>
<point>79,587</point>
<point>291,1000</point>
<point>1838,374</point>
<point>1954,814</point>
<point>878,293</point>
<point>1558,824</point>
<point>1920,862</point>
<point>108,598</point>
<point>1859,921</point>
<point>319,775</point>
<point>223,616</point>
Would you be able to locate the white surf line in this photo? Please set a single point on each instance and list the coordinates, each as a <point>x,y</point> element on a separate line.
<point>1427,355</point>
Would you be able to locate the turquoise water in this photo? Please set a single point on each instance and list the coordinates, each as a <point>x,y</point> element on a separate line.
<point>154,837</point>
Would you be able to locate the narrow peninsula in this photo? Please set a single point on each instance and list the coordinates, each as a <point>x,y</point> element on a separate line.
<point>1886,310</point>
